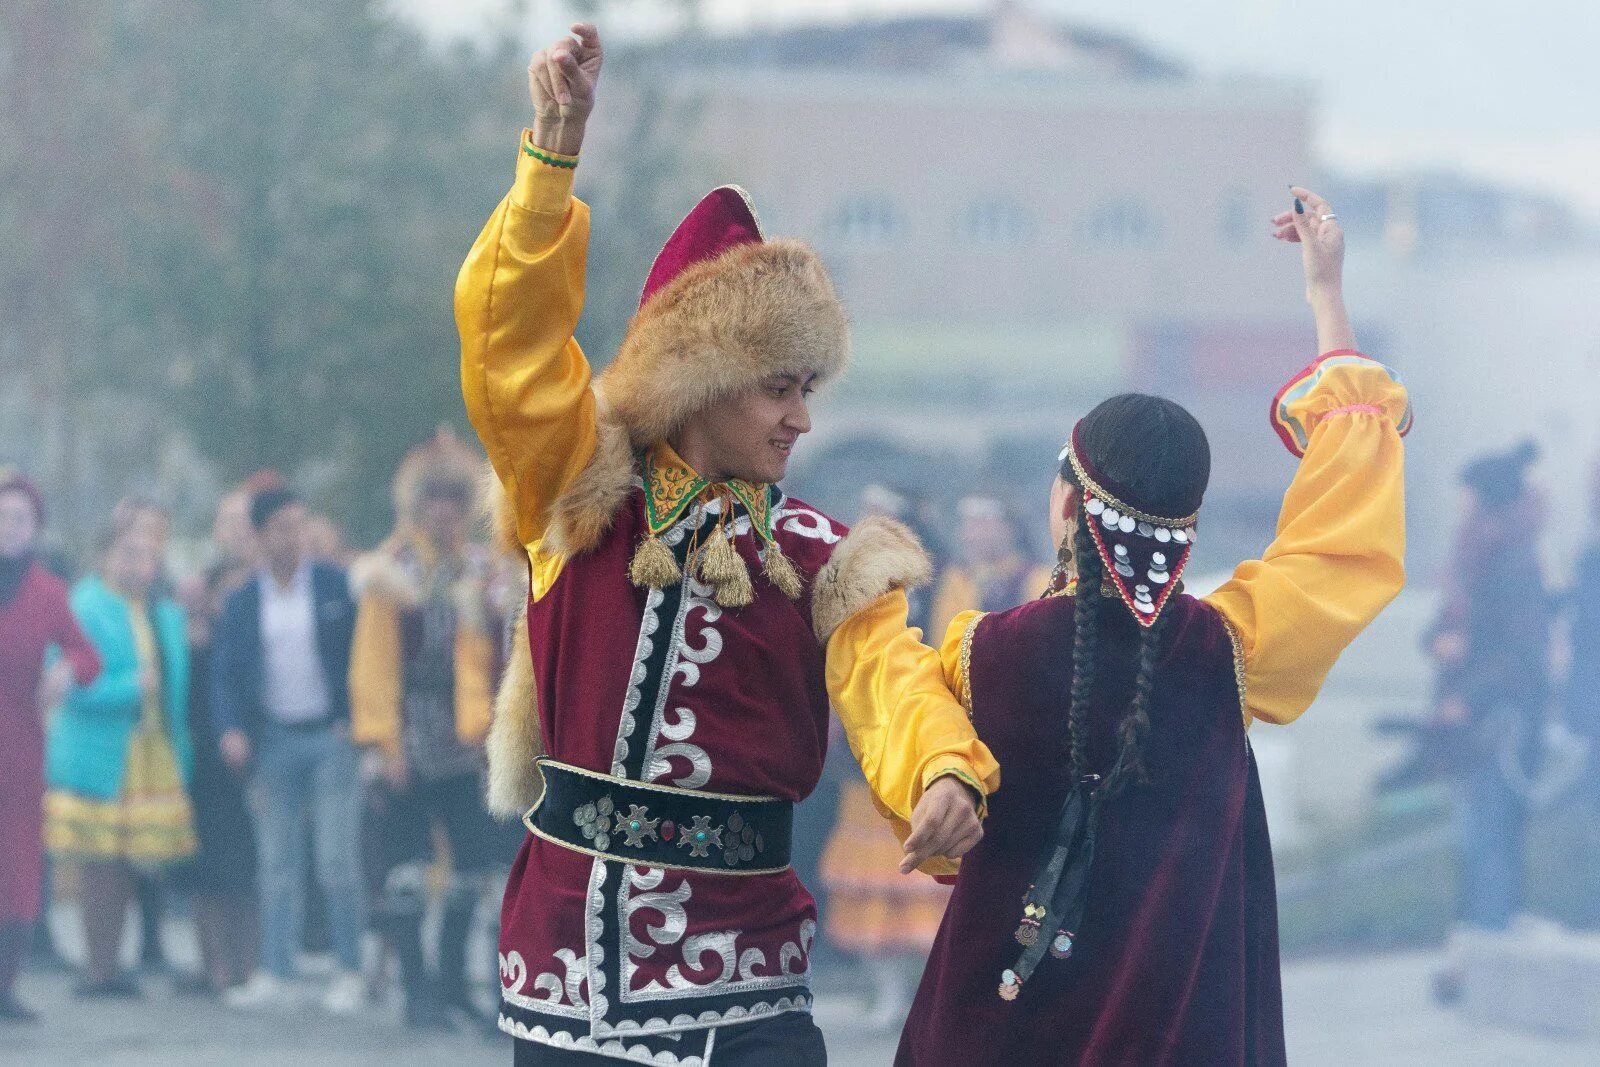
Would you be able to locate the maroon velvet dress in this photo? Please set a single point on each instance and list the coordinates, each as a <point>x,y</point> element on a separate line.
<point>1176,960</point>
<point>36,618</point>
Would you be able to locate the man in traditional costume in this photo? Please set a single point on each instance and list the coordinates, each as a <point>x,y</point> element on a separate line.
<point>688,626</point>
<point>422,671</point>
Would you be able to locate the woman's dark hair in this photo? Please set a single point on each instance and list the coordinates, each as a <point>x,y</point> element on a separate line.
<point>1153,454</point>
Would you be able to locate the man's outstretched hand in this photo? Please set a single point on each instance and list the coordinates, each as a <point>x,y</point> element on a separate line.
<point>945,823</point>
<point>561,84</point>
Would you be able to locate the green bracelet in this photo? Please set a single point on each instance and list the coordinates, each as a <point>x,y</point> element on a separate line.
<point>543,157</point>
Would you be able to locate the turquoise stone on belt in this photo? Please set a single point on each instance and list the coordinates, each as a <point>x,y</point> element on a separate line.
<point>637,827</point>
<point>702,837</point>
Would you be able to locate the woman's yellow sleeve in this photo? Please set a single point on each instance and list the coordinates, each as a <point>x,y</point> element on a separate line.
<point>903,724</point>
<point>518,299</point>
<point>955,652</point>
<point>375,675</point>
<point>1339,554</point>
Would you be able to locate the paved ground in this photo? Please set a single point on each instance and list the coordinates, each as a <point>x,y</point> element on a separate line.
<point>1370,1010</point>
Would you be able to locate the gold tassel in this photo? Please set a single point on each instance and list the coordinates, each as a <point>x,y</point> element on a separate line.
<point>781,572</point>
<point>723,570</point>
<point>653,565</point>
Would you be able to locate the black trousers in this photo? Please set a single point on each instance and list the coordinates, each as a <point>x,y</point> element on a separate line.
<point>788,1040</point>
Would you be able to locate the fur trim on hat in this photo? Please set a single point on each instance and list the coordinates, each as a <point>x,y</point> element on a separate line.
<point>514,743</point>
<point>877,557</point>
<point>722,326</point>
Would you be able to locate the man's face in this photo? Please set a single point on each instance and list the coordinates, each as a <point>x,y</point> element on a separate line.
<point>231,530</point>
<point>443,519</point>
<point>751,434</point>
<point>986,538</point>
<point>19,523</point>
<point>283,536</point>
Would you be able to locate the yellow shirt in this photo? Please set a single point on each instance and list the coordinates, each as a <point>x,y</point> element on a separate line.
<point>528,393</point>
<point>377,673</point>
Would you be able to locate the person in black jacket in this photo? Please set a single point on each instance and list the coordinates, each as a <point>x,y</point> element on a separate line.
<point>280,698</point>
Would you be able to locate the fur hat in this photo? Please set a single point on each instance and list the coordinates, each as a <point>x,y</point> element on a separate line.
<point>723,309</point>
<point>443,461</point>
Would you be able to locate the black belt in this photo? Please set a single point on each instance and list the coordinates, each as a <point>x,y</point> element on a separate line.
<point>660,826</point>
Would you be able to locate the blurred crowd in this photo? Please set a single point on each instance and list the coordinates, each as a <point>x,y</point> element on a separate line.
<point>282,744</point>
<point>1515,726</point>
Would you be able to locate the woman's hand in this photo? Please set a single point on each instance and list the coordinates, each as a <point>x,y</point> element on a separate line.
<point>235,748</point>
<point>561,84</point>
<point>1312,225</point>
<point>54,686</point>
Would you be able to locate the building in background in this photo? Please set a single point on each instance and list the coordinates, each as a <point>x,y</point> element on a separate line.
<point>1023,216</point>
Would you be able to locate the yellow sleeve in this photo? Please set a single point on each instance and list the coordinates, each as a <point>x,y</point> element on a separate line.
<point>375,675</point>
<point>904,726</point>
<point>525,380</point>
<point>474,659</point>
<point>954,653</point>
<point>1339,554</point>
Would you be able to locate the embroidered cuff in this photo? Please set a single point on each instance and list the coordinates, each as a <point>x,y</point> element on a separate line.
<point>956,767</point>
<point>544,179</point>
<point>1341,382</point>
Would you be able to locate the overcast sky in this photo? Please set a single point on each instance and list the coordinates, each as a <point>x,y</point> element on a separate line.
<point>1502,90</point>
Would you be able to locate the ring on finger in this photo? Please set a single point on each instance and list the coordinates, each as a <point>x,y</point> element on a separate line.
<point>1327,215</point>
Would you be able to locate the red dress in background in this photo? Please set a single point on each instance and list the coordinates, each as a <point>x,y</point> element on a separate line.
<point>35,619</point>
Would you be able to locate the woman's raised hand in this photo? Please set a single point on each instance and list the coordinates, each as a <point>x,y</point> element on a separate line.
<point>1313,225</point>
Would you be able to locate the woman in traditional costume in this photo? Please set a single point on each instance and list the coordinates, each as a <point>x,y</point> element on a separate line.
<point>1120,908</point>
<point>118,758</point>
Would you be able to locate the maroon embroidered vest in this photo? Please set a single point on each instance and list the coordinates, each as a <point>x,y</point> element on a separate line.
<point>1176,960</point>
<point>666,687</point>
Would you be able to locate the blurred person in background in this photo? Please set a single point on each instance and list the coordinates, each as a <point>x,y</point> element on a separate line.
<point>148,519</point>
<point>995,570</point>
<point>1580,696</point>
<point>1121,907</point>
<point>421,681</point>
<point>119,755</point>
<point>221,878</point>
<point>1492,645</point>
<point>280,661</point>
<point>43,654</point>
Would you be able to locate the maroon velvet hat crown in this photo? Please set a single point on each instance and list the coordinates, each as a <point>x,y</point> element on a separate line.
<point>725,218</point>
